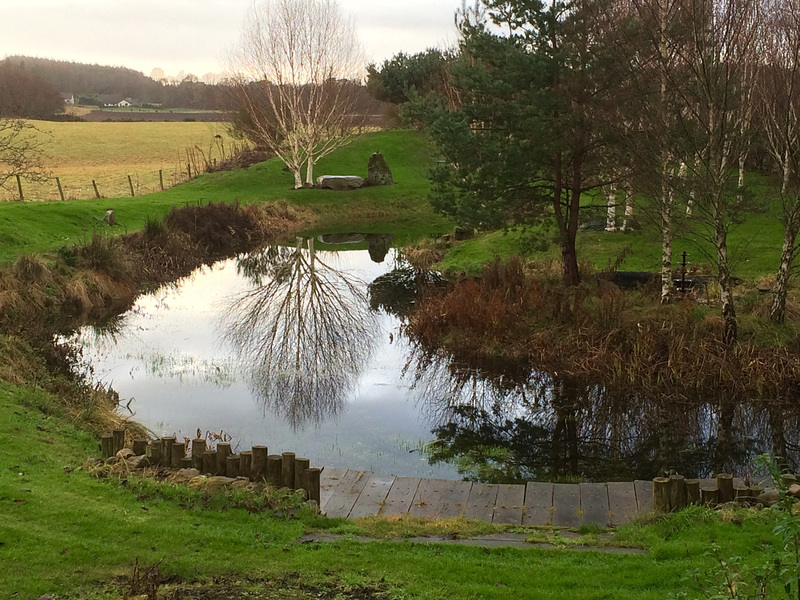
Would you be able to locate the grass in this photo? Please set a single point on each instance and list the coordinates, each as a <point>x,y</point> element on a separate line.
<point>69,534</point>
<point>33,227</point>
<point>108,152</point>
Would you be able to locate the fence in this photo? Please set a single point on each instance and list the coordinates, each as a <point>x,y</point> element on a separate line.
<point>676,492</point>
<point>279,470</point>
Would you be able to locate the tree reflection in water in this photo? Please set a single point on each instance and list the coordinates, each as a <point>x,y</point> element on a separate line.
<point>502,424</point>
<point>304,331</point>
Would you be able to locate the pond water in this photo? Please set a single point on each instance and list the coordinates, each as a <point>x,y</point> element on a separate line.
<point>300,348</point>
<point>182,359</point>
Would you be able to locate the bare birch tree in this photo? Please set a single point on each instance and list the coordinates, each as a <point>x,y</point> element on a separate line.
<point>779,105</point>
<point>295,79</point>
<point>21,151</point>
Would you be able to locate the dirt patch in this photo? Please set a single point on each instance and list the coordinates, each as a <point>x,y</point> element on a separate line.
<point>147,584</point>
<point>167,116</point>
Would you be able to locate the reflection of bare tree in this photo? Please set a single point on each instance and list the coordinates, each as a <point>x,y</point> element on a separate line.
<point>304,331</point>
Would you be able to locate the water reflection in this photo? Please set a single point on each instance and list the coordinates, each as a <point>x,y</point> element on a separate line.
<point>378,244</point>
<point>303,331</point>
<point>500,425</point>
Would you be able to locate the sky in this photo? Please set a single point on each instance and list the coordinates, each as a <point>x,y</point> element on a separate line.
<point>193,35</point>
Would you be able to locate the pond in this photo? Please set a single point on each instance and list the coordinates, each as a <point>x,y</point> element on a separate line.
<point>302,348</point>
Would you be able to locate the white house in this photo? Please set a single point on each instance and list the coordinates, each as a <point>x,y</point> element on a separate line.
<point>68,98</point>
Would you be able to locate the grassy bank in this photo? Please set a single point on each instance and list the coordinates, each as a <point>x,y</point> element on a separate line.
<point>66,533</point>
<point>402,209</point>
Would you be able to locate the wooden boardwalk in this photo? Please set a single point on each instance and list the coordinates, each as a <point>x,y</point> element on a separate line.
<point>351,494</point>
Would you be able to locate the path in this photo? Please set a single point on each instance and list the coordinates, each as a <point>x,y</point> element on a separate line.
<point>349,493</point>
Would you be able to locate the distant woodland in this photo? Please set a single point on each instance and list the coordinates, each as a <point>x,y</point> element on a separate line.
<point>31,87</point>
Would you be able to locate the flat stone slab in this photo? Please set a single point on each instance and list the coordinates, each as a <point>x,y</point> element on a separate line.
<point>340,182</point>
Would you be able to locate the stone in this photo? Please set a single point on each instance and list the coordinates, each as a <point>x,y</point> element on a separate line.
<point>378,171</point>
<point>241,484</point>
<point>462,233</point>
<point>138,462</point>
<point>769,497</point>
<point>184,475</point>
<point>342,238</point>
<point>125,453</point>
<point>340,182</point>
<point>110,218</point>
<point>794,489</point>
<point>210,484</point>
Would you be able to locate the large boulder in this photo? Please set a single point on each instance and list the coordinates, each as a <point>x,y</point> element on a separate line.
<point>378,171</point>
<point>340,182</point>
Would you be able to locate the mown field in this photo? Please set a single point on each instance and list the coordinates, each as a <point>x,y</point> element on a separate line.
<point>78,153</point>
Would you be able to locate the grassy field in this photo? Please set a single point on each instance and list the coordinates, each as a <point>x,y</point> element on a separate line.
<point>108,152</point>
<point>65,533</point>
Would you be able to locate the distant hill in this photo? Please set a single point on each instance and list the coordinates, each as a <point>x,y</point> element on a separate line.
<point>88,82</point>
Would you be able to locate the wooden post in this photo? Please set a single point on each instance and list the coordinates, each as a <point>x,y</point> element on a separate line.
<point>198,447</point>
<point>274,467</point>
<point>692,491</point>
<point>130,185</point>
<point>223,452</point>
<point>725,487</point>
<point>119,439</point>
<point>189,170</point>
<point>209,462</point>
<point>140,446</point>
<point>756,491</point>
<point>287,470</point>
<point>186,462</point>
<point>741,493</point>
<point>107,445</point>
<point>60,189</point>
<point>787,479</point>
<point>161,179</point>
<point>155,452</point>
<point>312,484</point>
<point>245,464</point>
<point>19,187</point>
<point>677,492</point>
<point>661,494</point>
<point>300,466</point>
<point>167,443</point>
<point>96,191</point>
<point>709,496</point>
<point>178,454</point>
<point>232,466</point>
<point>259,462</point>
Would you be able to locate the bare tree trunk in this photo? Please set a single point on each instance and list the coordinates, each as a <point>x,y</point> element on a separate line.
<point>310,171</point>
<point>628,206</point>
<point>666,239</point>
<point>777,313</point>
<point>611,217</point>
<point>730,329</point>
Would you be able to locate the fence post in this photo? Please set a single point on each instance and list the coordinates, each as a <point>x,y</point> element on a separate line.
<point>130,185</point>
<point>96,191</point>
<point>60,189</point>
<point>287,470</point>
<point>161,179</point>
<point>19,187</point>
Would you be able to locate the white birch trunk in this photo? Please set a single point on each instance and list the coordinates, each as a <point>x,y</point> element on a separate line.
<point>611,217</point>
<point>666,239</point>
<point>628,206</point>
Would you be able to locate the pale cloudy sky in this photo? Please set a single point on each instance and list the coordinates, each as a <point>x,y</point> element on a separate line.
<point>192,35</point>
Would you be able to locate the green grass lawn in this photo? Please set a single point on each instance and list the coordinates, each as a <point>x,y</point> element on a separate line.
<point>65,533</point>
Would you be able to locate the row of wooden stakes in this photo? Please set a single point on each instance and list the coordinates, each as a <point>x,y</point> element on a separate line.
<point>280,470</point>
<point>676,492</point>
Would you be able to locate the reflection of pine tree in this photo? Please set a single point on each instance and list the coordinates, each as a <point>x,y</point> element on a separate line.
<point>304,332</point>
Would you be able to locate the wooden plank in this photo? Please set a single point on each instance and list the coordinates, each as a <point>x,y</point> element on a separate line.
<point>510,502</point>
<point>566,505</point>
<point>371,499</point>
<point>441,498</point>
<point>708,484</point>
<point>328,480</point>
<point>346,493</point>
<point>644,495</point>
<point>538,504</point>
<point>400,497</point>
<point>482,498</point>
<point>594,504</point>
<point>621,502</point>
